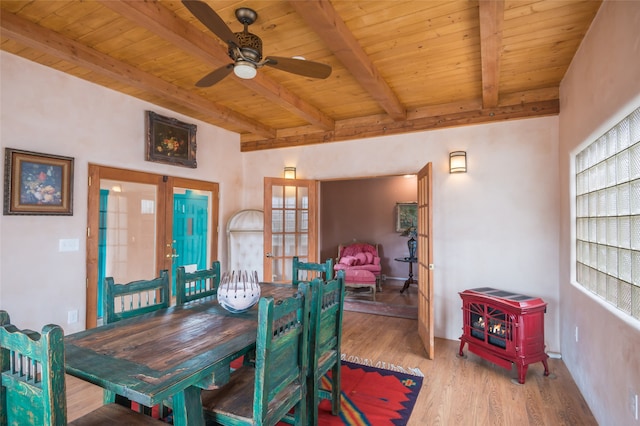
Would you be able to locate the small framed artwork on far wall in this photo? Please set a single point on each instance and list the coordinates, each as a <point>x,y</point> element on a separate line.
<point>170,141</point>
<point>406,216</point>
<point>37,184</point>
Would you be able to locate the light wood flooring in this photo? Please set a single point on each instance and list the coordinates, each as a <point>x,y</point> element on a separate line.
<point>456,391</point>
<point>389,301</point>
<point>390,294</point>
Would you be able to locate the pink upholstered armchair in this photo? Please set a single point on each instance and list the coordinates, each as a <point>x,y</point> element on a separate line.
<point>359,256</point>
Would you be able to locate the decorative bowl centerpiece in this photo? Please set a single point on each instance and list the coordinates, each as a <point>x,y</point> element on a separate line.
<point>239,292</point>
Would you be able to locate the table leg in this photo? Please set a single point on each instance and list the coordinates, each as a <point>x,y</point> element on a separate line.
<point>409,280</point>
<point>187,408</point>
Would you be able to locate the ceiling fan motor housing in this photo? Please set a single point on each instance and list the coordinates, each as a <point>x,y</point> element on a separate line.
<point>250,46</point>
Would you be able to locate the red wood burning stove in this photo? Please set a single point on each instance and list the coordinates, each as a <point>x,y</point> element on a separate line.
<point>504,328</point>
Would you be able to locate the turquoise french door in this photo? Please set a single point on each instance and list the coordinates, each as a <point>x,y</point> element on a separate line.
<point>102,246</point>
<point>132,233</point>
<point>190,219</point>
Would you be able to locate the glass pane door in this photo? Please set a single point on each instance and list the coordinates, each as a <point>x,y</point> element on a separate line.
<point>290,225</point>
<point>127,238</point>
<point>139,223</point>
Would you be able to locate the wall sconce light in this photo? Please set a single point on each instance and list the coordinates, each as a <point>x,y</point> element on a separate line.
<point>458,162</point>
<point>289,172</point>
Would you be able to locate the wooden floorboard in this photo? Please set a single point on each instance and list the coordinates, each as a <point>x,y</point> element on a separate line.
<point>455,391</point>
<point>366,307</point>
<point>468,390</point>
<point>389,301</point>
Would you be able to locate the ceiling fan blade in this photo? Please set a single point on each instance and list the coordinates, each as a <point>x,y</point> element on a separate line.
<point>211,20</point>
<point>299,66</point>
<point>215,76</point>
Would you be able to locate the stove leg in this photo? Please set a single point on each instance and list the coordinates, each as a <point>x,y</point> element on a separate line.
<point>460,353</point>
<point>546,367</point>
<point>522,373</point>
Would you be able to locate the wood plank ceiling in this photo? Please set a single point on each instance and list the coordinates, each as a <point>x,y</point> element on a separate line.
<point>398,66</point>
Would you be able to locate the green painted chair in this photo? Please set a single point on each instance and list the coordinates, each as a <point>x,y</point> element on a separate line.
<point>307,271</point>
<point>135,298</point>
<point>129,300</point>
<point>326,338</point>
<point>196,285</point>
<point>33,382</point>
<point>264,394</point>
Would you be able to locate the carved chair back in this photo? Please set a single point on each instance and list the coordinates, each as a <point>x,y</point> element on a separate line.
<point>135,298</point>
<point>33,387</point>
<point>307,271</point>
<point>196,285</point>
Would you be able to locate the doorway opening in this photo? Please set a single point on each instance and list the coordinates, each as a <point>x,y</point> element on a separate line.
<point>367,213</point>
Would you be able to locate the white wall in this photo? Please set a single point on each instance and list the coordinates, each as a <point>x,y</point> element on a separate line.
<point>601,87</point>
<point>48,111</point>
<point>493,226</point>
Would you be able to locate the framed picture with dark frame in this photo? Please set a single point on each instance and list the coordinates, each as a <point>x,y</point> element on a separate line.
<point>170,141</point>
<point>37,184</point>
<point>406,216</point>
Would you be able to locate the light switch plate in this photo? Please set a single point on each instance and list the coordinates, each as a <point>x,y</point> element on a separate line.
<point>69,244</point>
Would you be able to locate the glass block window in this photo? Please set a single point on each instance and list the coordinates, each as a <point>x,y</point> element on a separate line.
<point>608,216</point>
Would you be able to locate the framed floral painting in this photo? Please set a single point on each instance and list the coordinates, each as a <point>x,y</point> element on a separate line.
<point>406,216</point>
<point>37,184</point>
<point>170,141</point>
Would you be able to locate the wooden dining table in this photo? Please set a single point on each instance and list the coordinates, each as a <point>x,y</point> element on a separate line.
<point>170,353</point>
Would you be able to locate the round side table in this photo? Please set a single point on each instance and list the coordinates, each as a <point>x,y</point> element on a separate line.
<point>410,280</point>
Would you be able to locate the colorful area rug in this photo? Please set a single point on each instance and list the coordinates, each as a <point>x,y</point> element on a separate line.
<point>372,396</point>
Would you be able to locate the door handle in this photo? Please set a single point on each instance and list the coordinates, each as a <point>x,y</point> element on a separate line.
<point>173,253</point>
<point>269,255</point>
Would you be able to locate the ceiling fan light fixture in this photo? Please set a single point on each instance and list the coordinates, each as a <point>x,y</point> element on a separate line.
<point>245,70</point>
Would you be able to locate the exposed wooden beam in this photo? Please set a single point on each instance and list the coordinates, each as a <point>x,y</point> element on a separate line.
<point>362,128</point>
<point>327,24</point>
<point>165,23</point>
<point>52,43</point>
<point>491,22</point>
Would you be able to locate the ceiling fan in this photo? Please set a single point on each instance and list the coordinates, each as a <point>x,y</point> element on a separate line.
<point>245,48</point>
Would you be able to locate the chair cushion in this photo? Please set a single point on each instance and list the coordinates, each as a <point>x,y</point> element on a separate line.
<point>348,260</point>
<point>369,257</point>
<point>360,276</point>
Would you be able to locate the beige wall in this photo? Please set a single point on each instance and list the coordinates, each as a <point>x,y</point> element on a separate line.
<point>47,111</point>
<point>601,87</point>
